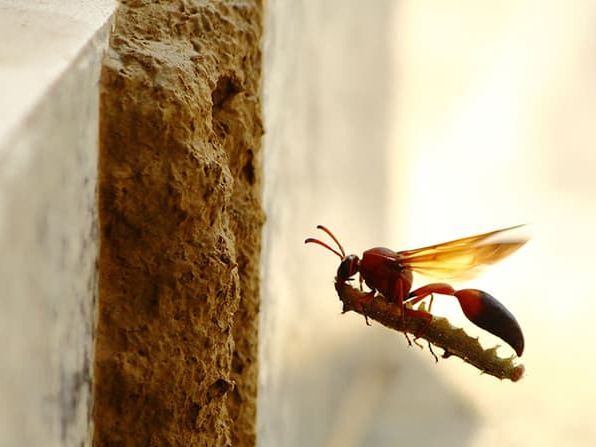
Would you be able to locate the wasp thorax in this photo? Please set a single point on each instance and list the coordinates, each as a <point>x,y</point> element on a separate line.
<point>350,265</point>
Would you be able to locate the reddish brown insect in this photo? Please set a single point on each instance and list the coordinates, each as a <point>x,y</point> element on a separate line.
<point>390,273</point>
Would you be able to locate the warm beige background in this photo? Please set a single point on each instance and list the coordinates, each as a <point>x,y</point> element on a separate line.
<point>496,125</point>
<point>408,123</point>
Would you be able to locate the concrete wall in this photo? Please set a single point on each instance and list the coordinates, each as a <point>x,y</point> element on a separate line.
<point>50,58</point>
<point>327,78</point>
<point>329,96</point>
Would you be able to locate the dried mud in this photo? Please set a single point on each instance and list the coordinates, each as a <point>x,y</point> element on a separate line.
<point>181,218</point>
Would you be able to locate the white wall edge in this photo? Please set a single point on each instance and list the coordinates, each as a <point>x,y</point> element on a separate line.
<point>39,40</point>
<point>50,65</point>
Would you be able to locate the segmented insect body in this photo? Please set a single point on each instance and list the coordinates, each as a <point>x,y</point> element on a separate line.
<point>390,273</point>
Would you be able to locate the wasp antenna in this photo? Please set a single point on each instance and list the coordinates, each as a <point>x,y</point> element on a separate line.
<point>316,241</point>
<point>326,230</point>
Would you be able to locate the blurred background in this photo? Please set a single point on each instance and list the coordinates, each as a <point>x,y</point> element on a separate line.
<point>407,123</point>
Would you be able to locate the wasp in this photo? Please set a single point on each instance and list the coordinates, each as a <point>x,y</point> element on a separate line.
<point>391,273</point>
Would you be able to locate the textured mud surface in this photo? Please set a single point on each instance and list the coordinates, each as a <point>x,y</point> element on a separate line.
<point>181,221</point>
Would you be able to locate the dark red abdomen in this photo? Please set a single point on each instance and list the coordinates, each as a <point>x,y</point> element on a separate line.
<point>381,270</point>
<point>485,311</point>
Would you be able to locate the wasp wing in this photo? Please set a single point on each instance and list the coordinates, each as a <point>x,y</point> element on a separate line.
<point>462,258</point>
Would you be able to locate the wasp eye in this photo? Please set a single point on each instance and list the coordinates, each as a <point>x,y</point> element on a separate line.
<point>348,267</point>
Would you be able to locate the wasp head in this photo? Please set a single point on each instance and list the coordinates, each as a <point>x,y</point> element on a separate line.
<point>349,266</point>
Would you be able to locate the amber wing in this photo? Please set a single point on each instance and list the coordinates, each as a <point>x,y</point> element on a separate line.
<point>462,258</point>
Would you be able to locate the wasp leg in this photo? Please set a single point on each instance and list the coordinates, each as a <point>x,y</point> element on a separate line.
<point>429,290</point>
<point>438,287</point>
<point>430,348</point>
